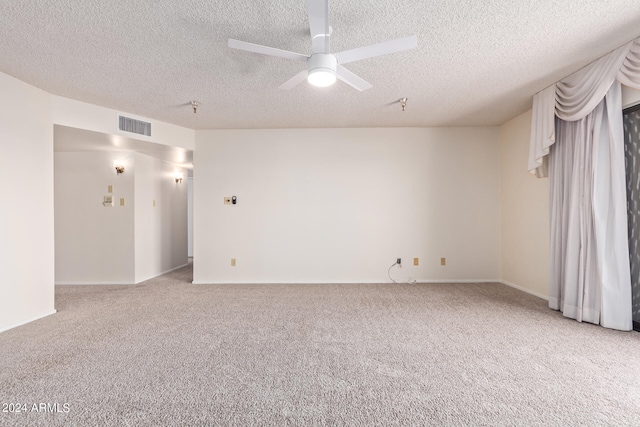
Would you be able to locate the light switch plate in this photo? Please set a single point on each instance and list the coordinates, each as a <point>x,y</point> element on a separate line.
<point>121,201</point>
<point>110,189</point>
<point>227,200</point>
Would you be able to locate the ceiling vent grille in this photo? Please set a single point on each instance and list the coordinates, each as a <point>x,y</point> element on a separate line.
<point>128,124</point>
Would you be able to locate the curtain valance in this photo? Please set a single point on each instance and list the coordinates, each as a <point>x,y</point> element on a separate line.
<point>577,95</point>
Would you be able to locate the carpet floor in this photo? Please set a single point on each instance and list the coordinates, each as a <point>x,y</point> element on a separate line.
<point>167,352</point>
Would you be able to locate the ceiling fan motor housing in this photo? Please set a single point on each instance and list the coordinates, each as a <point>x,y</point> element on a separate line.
<point>322,69</point>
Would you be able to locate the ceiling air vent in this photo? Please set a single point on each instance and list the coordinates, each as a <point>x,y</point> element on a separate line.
<point>128,124</point>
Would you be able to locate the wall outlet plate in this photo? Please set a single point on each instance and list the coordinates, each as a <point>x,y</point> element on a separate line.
<point>416,261</point>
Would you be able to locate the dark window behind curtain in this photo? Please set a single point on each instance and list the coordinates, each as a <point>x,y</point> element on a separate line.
<point>631,119</point>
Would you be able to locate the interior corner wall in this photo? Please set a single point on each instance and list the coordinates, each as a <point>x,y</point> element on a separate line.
<point>340,205</point>
<point>26,209</point>
<point>160,218</point>
<point>94,244</point>
<point>525,212</point>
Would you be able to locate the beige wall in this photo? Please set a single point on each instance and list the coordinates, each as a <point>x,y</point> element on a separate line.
<point>525,212</point>
<point>630,97</point>
<point>340,205</point>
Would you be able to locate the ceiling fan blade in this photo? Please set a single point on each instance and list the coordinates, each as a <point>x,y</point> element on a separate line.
<point>266,50</point>
<point>295,80</point>
<point>318,12</point>
<point>378,49</point>
<point>351,79</point>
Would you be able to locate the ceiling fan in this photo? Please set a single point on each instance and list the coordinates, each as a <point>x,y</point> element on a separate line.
<point>323,66</point>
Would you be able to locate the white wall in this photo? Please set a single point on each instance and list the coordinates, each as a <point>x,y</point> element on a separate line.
<point>340,205</point>
<point>525,212</point>
<point>160,218</point>
<point>94,244</point>
<point>69,112</point>
<point>26,208</point>
<point>190,216</point>
<point>120,244</point>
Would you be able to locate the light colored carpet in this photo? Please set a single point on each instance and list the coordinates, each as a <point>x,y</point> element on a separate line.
<point>167,352</point>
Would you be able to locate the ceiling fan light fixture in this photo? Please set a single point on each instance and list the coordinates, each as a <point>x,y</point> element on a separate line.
<point>322,69</point>
<point>321,78</point>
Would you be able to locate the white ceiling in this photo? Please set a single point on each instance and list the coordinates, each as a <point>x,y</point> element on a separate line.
<point>477,62</point>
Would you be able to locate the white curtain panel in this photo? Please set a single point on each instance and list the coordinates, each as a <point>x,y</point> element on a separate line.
<point>543,130</point>
<point>577,128</point>
<point>590,277</point>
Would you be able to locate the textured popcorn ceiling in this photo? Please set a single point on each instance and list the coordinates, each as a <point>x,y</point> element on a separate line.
<point>477,62</point>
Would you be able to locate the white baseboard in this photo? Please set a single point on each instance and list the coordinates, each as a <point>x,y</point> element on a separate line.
<point>460,281</point>
<point>346,282</point>
<point>173,269</point>
<point>119,282</point>
<point>92,283</point>
<point>162,272</point>
<point>520,288</point>
<point>24,322</point>
<point>283,283</point>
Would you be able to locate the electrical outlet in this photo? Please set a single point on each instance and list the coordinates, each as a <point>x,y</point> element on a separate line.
<point>121,201</point>
<point>233,262</point>
<point>443,261</point>
<point>227,200</point>
<point>416,261</point>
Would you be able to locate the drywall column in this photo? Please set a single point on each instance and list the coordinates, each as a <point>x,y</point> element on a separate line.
<point>160,218</point>
<point>26,205</point>
<point>190,217</point>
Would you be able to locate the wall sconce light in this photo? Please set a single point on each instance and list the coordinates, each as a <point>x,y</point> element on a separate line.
<point>119,167</point>
<point>178,176</point>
